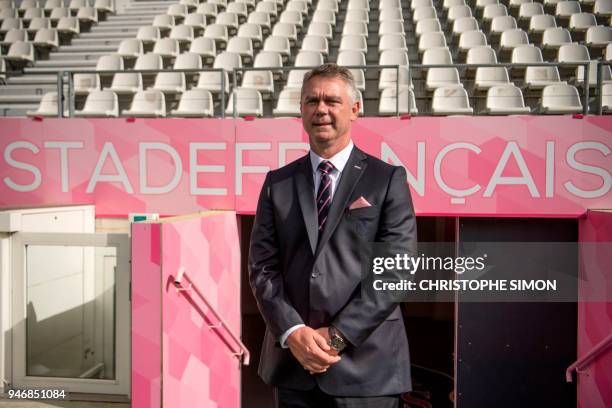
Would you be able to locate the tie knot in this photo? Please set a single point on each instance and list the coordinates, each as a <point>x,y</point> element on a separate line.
<point>326,167</point>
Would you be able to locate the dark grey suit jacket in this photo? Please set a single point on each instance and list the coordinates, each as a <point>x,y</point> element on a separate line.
<point>298,277</point>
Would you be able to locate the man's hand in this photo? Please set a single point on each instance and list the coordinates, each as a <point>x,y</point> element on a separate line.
<point>312,349</point>
<point>324,331</point>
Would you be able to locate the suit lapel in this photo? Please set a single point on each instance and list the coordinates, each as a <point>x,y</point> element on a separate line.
<point>351,174</point>
<point>305,190</point>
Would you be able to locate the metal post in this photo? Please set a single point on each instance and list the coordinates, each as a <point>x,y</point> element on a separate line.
<point>60,93</point>
<point>235,96</point>
<point>397,90</point>
<point>599,90</point>
<point>222,73</point>
<point>586,88</point>
<point>409,83</point>
<point>70,94</point>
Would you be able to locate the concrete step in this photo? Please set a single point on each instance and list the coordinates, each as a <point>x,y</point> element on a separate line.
<point>80,42</point>
<point>65,67</point>
<point>144,12</point>
<point>132,22</point>
<point>158,8</point>
<point>108,36</point>
<point>27,89</point>
<point>15,110</point>
<point>72,49</point>
<point>124,28</point>
<point>123,17</point>
<point>151,3</point>
<point>26,98</point>
<point>33,79</point>
<point>151,6</point>
<point>66,64</point>
<point>75,56</point>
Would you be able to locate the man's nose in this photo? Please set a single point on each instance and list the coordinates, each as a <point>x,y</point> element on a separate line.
<point>321,107</point>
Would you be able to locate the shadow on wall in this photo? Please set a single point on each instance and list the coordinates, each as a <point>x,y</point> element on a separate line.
<point>78,342</point>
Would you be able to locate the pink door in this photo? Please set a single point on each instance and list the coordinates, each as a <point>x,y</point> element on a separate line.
<point>186,349</point>
<point>595,311</point>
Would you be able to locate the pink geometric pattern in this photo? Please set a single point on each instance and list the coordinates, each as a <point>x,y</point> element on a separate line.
<point>197,366</point>
<point>595,318</point>
<point>146,316</point>
<point>457,166</point>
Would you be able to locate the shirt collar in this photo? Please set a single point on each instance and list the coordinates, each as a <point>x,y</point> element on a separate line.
<point>339,160</point>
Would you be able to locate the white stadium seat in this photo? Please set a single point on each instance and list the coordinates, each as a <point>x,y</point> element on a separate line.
<point>606,98</point>
<point>553,38</point>
<point>147,104</point>
<point>103,104</point>
<point>308,59</point>
<point>21,52</point>
<point>538,24</point>
<point>390,103</point>
<point>148,35</point>
<point>505,100</point>
<point>262,81</point>
<point>481,55</point>
<point>427,25</point>
<point>451,100</point>
<point>431,40</point>
<point>247,102</point>
<point>598,36</point>
<point>288,102</point>
<point>195,103</point>
<point>48,106</point>
<point>205,48</point>
<point>315,43</point>
<point>560,99</point>
<point>439,77</point>
<point>486,77</point>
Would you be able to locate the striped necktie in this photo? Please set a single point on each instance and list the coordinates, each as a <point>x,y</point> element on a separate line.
<point>324,196</point>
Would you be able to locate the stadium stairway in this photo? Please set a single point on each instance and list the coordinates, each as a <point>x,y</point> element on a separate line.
<point>23,93</point>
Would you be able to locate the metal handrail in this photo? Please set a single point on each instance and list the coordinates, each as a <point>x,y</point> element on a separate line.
<point>71,73</point>
<point>585,64</point>
<point>600,64</point>
<point>588,357</point>
<point>306,68</point>
<point>244,353</point>
<point>411,67</point>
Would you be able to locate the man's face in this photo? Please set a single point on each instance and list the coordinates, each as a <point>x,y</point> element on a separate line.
<point>327,111</point>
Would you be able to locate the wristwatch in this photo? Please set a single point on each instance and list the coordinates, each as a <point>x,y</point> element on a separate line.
<point>335,339</point>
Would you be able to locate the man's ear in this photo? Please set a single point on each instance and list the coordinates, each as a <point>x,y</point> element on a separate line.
<point>355,109</point>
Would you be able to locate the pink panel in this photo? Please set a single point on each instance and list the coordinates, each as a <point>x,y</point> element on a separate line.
<point>199,369</point>
<point>146,316</point>
<point>164,148</point>
<point>595,318</point>
<point>502,166</point>
<point>452,162</point>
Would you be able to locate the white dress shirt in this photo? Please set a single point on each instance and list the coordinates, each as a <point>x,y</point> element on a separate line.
<point>339,161</point>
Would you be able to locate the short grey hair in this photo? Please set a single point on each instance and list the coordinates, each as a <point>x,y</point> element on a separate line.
<point>331,70</point>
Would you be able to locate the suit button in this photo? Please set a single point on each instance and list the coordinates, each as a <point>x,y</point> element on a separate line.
<point>314,275</point>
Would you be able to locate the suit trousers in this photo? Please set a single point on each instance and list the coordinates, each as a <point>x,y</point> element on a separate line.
<point>315,398</point>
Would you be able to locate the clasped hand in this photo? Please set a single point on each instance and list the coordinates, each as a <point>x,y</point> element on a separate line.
<point>311,348</point>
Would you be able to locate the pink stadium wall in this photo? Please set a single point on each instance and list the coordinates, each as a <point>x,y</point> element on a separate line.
<point>539,166</point>
<point>178,360</point>
<point>595,318</point>
<point>521,166</point>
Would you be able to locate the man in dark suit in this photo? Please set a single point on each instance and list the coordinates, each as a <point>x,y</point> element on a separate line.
<point>327,343</point>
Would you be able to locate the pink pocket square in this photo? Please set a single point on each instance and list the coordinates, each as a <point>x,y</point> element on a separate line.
<point>359,203</point>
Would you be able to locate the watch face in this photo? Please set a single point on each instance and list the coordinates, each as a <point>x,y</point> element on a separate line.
<point>337,343</point>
